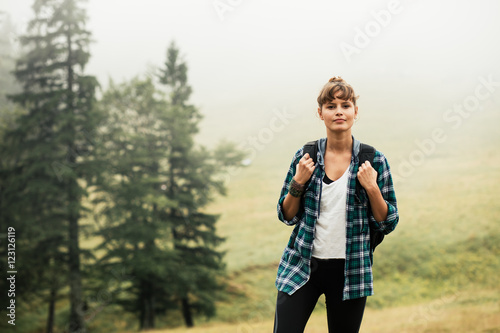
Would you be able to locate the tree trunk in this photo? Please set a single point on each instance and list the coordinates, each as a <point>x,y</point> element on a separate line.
<point>147,307</point>
<point>77,312</point>
<point>186,312</point>
<point>50,318</point>
<point>76,316</point>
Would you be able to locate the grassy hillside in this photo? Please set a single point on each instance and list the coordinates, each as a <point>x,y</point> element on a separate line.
<point>443,258</point>
<point>437,272</point>
<point>453,189</point>
<point>465,313</point>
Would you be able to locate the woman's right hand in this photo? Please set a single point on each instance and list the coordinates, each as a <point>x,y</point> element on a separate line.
<point>304,170</point>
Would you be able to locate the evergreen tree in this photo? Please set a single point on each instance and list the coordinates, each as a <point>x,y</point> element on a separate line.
<point>192,183</point>
<point>8,112</point>
<point>151,196</point>
<point>130,199</point>
<point>49,152</point>
<point>8,85</point>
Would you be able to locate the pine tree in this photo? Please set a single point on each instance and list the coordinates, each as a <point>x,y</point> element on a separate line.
<point>8,113</point>
<point>151,197</point>
<point>50,150</point>
<point>130,197</point>
<point>192,183</point>
<point>8,85</point>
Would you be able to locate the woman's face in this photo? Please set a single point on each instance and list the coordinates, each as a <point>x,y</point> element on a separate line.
<point>338,115</point>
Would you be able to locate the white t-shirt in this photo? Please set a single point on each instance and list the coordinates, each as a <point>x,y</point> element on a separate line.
<point>330,234</point>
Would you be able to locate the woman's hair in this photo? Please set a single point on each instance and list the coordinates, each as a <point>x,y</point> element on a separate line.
<point>334,86</point>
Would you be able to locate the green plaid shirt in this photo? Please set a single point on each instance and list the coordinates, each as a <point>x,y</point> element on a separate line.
<point>295,264</point>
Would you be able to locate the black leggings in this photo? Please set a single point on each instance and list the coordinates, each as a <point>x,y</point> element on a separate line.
<point>327,277</point>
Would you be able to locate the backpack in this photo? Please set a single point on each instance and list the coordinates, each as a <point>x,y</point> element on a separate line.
<point>366,153</point>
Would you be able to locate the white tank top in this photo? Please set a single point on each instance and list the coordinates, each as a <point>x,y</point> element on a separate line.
<point>330,234</point>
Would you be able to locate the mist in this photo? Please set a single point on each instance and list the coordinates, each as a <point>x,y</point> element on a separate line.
<point>428,81</point>
<point>247,58</point>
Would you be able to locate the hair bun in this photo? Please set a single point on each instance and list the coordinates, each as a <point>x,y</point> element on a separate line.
<point>336,79</point>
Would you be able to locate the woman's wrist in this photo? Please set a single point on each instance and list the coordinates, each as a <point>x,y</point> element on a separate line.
<point>372,190</point>
<point>299,180</point>
<point>296,189</point>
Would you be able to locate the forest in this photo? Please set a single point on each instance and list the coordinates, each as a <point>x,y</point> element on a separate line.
<point>121,169</point>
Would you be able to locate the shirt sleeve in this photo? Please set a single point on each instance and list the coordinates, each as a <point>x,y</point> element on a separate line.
<point>284,191</point>
<point>384,181</point>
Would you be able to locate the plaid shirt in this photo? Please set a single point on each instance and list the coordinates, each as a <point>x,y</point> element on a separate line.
<point>295,264</point>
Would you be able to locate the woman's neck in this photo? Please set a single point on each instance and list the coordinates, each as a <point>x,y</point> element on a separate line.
<point>339,142</point>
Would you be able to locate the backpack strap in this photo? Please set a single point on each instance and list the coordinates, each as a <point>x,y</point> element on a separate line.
<point>312,149</point>
<point>367,153</point>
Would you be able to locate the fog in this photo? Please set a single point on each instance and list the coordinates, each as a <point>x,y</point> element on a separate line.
<point>247,58</point>
<point>428,78</point>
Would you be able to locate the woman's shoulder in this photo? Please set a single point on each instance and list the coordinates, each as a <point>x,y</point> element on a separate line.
<point>300,151</point>
<point>379,159</point>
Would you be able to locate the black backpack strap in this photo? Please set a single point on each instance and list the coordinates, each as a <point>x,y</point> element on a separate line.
<point>312,149</point>
<point>367,153</point>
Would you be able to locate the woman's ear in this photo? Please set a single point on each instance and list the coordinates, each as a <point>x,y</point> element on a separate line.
<point>320,114</point>
<point>356,113</point>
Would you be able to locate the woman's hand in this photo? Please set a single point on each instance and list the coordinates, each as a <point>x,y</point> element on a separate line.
<point>304,170</point>
<point>367,176</point>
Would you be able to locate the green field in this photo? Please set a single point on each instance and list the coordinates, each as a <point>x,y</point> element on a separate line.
<point>437,272</point>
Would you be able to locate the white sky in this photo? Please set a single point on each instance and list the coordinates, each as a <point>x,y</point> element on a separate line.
<point>274,54</point>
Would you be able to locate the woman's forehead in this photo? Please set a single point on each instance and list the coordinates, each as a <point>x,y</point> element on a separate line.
<point>338,100</point>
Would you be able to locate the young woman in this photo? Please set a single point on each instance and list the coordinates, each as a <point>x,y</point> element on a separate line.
<point>329,249</point>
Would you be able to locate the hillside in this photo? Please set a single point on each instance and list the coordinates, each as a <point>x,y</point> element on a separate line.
<point>447,242</point>
<point>437,272</point>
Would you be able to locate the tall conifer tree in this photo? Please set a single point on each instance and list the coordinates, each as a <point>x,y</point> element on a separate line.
<point>151,198</point>
<point>192,183</point>
<point>135,140</point>
<point>52,144</point>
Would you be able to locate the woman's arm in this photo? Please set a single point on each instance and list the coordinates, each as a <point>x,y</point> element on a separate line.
<point>291,206</point>
<point>384,210</point>
<point>304,170</point>
<point>367,177</point>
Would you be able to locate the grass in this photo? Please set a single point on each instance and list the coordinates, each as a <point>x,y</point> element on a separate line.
<point>464,312</point>
<point>437,272</point>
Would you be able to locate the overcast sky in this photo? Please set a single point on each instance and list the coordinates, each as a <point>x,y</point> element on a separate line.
<point>248,57</point>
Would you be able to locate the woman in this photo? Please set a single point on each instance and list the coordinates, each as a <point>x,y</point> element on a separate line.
<point>329,249</point>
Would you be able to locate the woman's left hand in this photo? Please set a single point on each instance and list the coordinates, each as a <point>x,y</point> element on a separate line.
<point>367,176</point>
